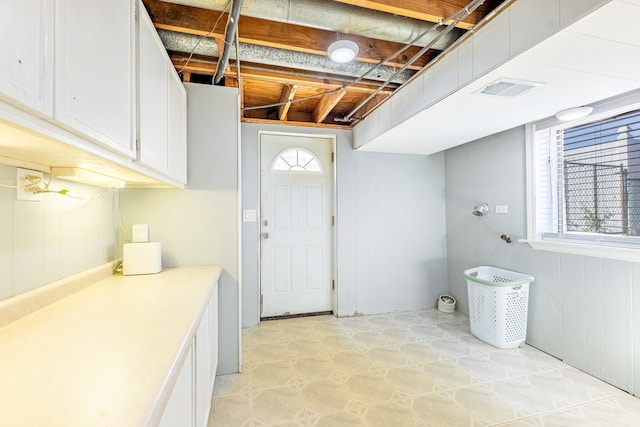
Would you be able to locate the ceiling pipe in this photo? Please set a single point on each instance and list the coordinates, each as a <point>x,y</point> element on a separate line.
<point>230,32</point>
<point>345,80</point>
<point>184,43</point>
<point>334,16</point>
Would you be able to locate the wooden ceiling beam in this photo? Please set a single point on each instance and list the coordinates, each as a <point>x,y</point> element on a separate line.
<point>288,92</point>
<point>326,104</point>
<point>294,123</point>
<point>372,104</point>
<point>431,11</point>
<point>197,21</point>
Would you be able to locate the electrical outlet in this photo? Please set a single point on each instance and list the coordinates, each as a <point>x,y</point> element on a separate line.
<point>25,180</point>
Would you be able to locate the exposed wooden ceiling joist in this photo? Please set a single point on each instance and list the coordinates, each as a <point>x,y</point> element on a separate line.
<point>200,22</point>
<point>285,76</point>
<point>288,93</point>
<point>326,104</point>
<point>432,11</point>
<point>326,83</point>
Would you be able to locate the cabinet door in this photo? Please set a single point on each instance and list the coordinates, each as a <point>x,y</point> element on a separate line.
<point>177,127</point>
<point>153,147</point>
<point>179,410</point>
<point>94,71</point>
<point>26,49</point>
<point>202,373</point>
<point>213,333</point>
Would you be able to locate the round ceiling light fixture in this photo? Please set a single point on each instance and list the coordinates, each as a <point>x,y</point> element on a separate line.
<point>342,51</point>
<point>573,113</point>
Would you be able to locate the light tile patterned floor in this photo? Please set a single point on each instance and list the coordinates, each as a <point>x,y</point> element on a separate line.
<point>421,368</point>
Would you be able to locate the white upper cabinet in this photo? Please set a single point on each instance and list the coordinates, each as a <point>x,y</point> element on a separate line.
<point>162,144</point>
<point>26,49</point>
<point>95,76</point>
<point>177,126</point>
<point>94,71</point>
<point>152,87</point>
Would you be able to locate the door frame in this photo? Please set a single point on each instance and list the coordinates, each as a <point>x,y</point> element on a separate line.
<point>334,213</point>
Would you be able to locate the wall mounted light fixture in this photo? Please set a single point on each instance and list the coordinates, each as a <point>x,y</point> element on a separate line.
<point>86,176</point>
<point>342,51</point>
<point>573,113</point>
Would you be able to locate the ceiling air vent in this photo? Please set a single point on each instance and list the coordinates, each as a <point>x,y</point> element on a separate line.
<point>509,87</point>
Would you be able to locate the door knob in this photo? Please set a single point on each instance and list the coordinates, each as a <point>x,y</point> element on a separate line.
<point>265,235</point>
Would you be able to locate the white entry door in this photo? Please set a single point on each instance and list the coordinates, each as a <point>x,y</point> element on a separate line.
<point>296,224</point>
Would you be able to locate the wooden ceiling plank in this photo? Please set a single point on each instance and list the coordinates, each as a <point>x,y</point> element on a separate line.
<point>295,123</point>
<point>431,11</point>
<point>372,104</point>
<point>326,104</point>
<point>288,92</point>
<point>196,21</point>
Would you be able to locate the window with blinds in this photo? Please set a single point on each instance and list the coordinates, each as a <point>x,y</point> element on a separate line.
<point>587,180</point>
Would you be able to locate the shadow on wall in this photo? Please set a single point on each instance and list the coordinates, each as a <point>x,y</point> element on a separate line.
<point>436,273</point>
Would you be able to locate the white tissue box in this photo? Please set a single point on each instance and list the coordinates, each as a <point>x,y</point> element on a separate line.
<point>141,258</point>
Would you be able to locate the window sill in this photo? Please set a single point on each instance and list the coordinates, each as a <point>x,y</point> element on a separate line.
<point>610,252</point>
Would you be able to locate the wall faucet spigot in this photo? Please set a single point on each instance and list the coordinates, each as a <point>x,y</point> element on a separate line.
<point>506,238</point>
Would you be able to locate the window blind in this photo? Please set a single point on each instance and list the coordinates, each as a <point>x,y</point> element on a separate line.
<point>588,180</point>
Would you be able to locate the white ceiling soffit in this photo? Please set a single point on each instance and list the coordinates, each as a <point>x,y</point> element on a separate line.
<point>595,58</point>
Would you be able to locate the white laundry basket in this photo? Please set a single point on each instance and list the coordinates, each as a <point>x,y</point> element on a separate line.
<point>498,305</point>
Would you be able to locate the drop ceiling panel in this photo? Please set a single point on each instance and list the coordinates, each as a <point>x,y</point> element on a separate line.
<point>612,22</point>
<point>577,68</point>
<point>466,116</point>
<point>581,53</point>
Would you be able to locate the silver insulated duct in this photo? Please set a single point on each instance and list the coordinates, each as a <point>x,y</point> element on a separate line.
<point>186,43</point>
<point>335,16</point>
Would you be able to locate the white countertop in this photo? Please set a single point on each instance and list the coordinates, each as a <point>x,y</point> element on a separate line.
<point>104,356</point>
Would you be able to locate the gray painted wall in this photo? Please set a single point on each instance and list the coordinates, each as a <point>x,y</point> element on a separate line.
<point>199,225</point>
<point>390,227</point>
<point>391,235</point>
<point>581,309</point>
<point>41,242</point>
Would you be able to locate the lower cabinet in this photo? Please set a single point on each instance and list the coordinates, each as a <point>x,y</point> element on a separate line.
<point>179,410</point>
<point>213,331</point>
<point>203,373</point>
<point>190,400</point>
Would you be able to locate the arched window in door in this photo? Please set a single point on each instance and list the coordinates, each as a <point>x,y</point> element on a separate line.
<point>296,160</point>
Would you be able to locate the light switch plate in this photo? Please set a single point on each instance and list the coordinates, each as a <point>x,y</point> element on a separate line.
<point>502,209</point>
<point>249,215</point>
